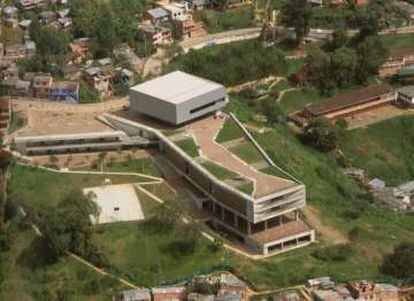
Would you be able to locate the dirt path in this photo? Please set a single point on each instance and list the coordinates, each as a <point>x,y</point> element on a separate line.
<point>329,233</point>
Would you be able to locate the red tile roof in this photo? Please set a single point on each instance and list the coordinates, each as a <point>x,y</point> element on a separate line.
<point>349,99</point>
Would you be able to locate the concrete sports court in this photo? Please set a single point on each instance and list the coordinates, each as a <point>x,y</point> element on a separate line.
<point>117,203</point>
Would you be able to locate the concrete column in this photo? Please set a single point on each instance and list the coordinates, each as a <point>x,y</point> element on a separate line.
<point>249,229</point>
<point>236,223</point>
<point>297,215</point>
<point>265,224</point>
<point>222,214</point>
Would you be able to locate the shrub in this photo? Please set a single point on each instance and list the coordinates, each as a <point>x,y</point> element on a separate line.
<point>335,253</point>
<point>400,263</point>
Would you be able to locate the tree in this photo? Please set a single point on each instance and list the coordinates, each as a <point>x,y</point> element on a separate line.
<point>297,14</point>
<point>372,53</point>
<point>272,111</point>
<point>321,134</point>
<point>318,65</point>
<point>400,264</point>
<point>68,227</point>
<point>344,63</point>
<point>340,37</point>
<point>6,160</point>
<point>374,17</point>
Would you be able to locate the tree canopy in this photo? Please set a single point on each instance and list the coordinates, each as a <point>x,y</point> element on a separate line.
<point>321,134</point>
<point>297,14</point>
<point>400,264</point>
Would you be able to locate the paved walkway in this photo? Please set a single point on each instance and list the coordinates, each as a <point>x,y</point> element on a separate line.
<point>205,131</point>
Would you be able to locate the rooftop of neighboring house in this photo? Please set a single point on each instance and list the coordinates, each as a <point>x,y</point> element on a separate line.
<point>407,91</point>
<point>65,85</point>
<point>407,70</point>
<point>135,294</point>
<point>158,13</point>
<point>42,80</point>
<point>4,102</point>
<point>168,290</point>
<point>405,7</point>
<point>349,99</point>
<point>153,29</point>
<point>400,53</point>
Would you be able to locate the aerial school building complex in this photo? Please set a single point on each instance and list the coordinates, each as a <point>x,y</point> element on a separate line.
<point>264,218</point>
<point>266,221</point>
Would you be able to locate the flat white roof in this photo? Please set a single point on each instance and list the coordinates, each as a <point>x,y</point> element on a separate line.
<point>177,87</point>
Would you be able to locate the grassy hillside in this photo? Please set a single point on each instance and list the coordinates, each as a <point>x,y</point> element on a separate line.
<point>384,150</point>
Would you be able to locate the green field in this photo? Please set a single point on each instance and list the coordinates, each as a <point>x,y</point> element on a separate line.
<point>144,255</point>
<point>229,19</point>
<point>297,100</point>
<point>384,150</point>
<point>145,166</point>
<point>39,188</point>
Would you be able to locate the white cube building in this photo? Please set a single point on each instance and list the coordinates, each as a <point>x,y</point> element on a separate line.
<point>177,97</point>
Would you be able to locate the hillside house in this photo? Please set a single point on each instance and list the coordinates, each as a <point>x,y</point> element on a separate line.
<point>175,10</point>
<point>100,79</point>
<point>187,27</point>
<point>65,91</point>
<point>72,72</point>
<point>47,17</point>
<point>168,293</point>
<point>10,11</point>
<point>134,295</point>
<point>397,60</point>
<point>156,16</point>
<point>367,290</point>
<point>41,85</point>
<point>128,54</point>
<point>31,4</point>
<point>157,35</point>
<point>197,5</point>
<point>347,104</point>
<point>79,49</point>
<point>5,113</point>
<point>407,10</point>
<point>11,22</point>
<point>19,51</point>
<point>406,96</point>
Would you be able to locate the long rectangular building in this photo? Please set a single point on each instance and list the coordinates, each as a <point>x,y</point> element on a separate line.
<point>347,104</point>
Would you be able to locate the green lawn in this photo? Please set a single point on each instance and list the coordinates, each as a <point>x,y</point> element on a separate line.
<point>229,19</point>
<point>230,131</point>
<point>218,171</point>
<point>398,41</point>
<point>281,85</point>
<point>29,276</point>
<point>36,187</point>
<point>246,188</point>
<point>384,149</point>
<point>144,255</point>
<point>145,166</point>
<point>297,100</point>
<point>189,147</point>
<point>247,152</point>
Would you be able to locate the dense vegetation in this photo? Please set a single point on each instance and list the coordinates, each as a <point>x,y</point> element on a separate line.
<point>234,63</point>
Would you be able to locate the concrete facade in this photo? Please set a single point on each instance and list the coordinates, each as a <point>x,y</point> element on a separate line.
<point>177,97</point>
<point>267,225</point>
